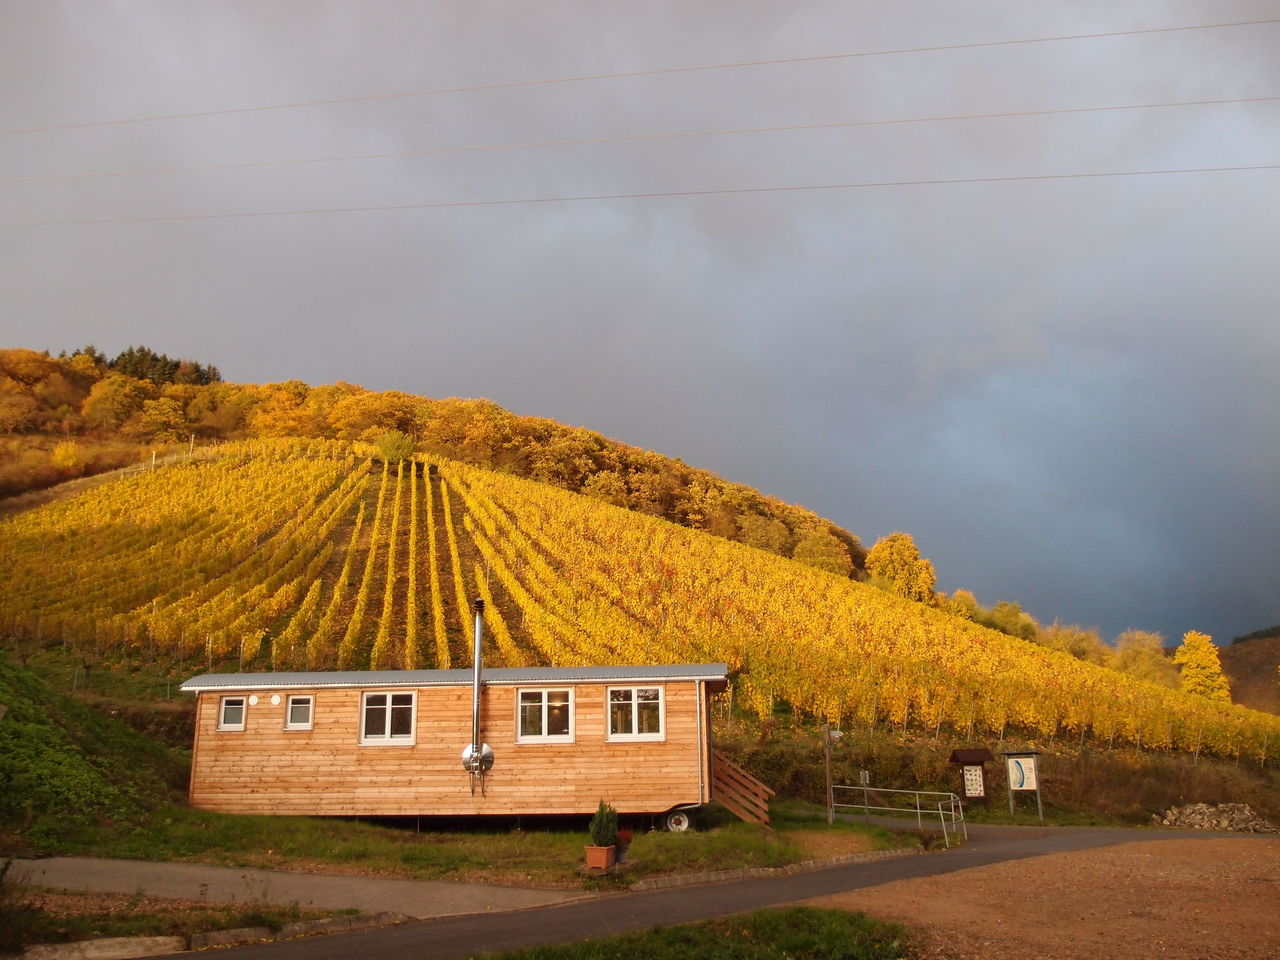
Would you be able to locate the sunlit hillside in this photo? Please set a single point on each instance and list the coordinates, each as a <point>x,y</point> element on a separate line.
<point>308,555</point>
<point>1253,668</point>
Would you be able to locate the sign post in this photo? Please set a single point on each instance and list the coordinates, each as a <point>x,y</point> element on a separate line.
<point>973,772</point>
<point>829,735</point>
<point>1023,773</point>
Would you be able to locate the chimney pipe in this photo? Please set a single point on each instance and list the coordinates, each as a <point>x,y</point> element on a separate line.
<point>476,665</point>
<point>477,756</point>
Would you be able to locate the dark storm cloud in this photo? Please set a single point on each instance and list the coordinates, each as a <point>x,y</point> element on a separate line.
<point>1065,389</point>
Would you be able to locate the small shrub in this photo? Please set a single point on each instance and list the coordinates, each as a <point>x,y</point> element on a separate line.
<point>393,446</point>
<point>604,826</point>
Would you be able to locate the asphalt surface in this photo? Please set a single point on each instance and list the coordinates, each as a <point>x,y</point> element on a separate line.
<point>472,919</point>
<point>195,881</point>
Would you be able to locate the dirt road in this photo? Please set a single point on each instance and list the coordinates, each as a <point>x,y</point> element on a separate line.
<point>1190,899</point>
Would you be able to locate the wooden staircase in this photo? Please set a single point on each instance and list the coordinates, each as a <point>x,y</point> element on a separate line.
<point>738,791</point>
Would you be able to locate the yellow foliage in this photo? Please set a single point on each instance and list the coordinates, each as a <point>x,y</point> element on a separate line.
<point>249,551</point>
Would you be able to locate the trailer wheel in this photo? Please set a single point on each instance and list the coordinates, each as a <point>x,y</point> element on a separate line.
<point>677,821</point>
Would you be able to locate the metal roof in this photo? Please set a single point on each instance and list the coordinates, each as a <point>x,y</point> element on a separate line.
<point>453,678</point>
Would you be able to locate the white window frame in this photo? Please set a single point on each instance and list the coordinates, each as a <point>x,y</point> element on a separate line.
<point>631,736</point>
<point>225,702</point>
<point>388,738</point>
<point>311,711</point>
<point>522,737</point>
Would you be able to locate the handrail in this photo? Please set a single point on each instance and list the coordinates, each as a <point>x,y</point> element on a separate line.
<point>738,791</point>
<point>947,807</point>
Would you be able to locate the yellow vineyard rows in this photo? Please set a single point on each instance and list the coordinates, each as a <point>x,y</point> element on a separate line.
<point>634,589</point>
<point>287,555</point>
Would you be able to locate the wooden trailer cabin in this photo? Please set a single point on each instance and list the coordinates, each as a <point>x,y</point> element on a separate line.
<point>399,742</point>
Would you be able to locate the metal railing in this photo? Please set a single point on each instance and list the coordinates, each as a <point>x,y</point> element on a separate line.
<point>923,803</point>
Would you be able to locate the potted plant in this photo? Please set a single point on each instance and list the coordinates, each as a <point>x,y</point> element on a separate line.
<point>604,837</point>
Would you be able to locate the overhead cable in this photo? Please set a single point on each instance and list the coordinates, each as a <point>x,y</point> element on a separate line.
<point>628,74</point>
<point>710,192</point>
<point>629,138</point>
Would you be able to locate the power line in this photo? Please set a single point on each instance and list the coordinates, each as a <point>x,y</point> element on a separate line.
<point>713,192</point>
<point>631,138</point>
<point>659,71</point>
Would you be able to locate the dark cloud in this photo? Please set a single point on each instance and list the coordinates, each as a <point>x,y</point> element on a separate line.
<point>1065,389</point>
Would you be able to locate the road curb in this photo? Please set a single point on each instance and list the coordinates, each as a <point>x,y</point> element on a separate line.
<point>749,873</point>
<point>112,948</point>
<point>128,948</point>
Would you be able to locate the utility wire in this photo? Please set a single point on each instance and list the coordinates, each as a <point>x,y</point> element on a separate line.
<point>660,71</point>
<point>632,138</point>
<point>714,192</point>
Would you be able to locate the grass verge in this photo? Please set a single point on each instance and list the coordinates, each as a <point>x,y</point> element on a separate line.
<point>801,933</point>
<point>549,855</point>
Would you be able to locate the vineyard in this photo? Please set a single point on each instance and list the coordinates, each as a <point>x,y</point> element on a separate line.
<point>293,554</point>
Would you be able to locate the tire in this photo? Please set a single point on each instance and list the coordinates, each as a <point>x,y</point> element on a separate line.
<point>677,821</point>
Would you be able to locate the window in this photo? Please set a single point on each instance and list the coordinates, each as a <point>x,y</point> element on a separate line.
<point>231,713</point>
<point>297,713</point>
<point>545,715</point>
<point>388,718</point>
<point>635,713</point>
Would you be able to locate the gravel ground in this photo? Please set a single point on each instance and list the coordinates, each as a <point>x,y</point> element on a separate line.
<point>1190,899</point>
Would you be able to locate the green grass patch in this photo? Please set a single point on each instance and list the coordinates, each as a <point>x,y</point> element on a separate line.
<point>801,933</point>
<point>67,770</point>
<point>31,915</point>
<point>550,856</point>
<point>544,857</point>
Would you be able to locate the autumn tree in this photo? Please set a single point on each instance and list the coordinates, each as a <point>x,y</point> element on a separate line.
<point>608,486</point>
<point>282,412</point>
<point>1007,616</point>
<point>895,561</point>
<point>1201,668</point>
<point>394,446</point>
<point>366,416</point>
<point>114,400</point>
<point>17,411</point>
<point>1141,654</point>
<point>763,533</point>
<point>818,548</point>
<point>962,603</point>
<point>161,420</point>
<point>1081,643</point>
<point>67,457</point>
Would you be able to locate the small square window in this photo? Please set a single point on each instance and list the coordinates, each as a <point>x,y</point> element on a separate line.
<point>545,715</point>
<point>635,713</point>
<point>231,713</point>
<point>388,718</point>
<point>297,714</point>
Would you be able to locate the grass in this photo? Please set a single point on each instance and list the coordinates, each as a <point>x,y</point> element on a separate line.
<point>548,854</point>
<point>30,915</point>
<point>801,933</point>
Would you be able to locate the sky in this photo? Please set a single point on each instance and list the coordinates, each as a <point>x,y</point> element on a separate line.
<point>993,273</point>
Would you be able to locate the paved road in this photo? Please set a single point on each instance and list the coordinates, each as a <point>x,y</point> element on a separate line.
<point>195,881</point>
<point>464,936</point>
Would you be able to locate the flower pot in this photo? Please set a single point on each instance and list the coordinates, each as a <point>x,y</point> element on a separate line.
<point>599,858</point>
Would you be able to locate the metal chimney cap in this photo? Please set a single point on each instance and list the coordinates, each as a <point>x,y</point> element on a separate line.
<point>479,604</point>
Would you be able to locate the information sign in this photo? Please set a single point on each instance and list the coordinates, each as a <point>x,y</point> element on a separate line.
<point>975,786</point>
<point>1022,773</point>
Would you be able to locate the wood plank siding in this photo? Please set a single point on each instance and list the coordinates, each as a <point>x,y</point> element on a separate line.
<point>265,768</point>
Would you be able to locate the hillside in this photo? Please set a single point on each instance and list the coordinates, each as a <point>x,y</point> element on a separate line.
<point>71,416</point>
<point>305,554</point>
<point>63,765</point>
<point>1253,668</point>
